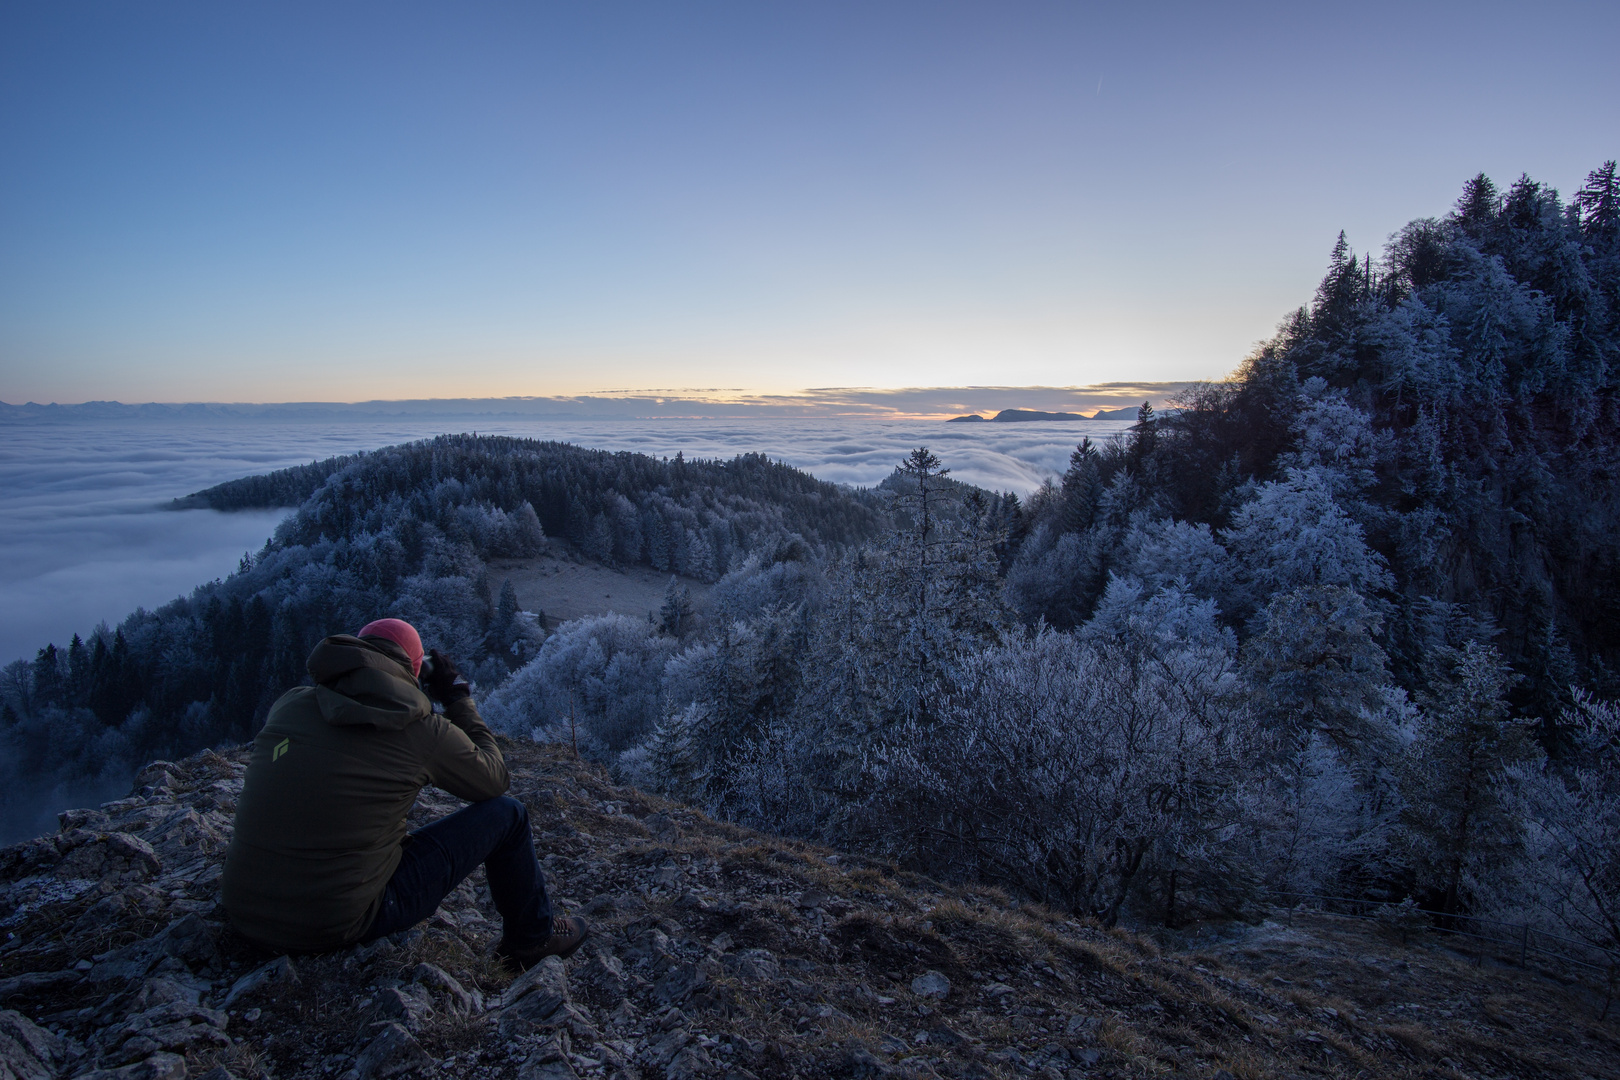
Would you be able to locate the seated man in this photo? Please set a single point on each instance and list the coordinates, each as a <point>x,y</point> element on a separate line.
<point>321,859</point>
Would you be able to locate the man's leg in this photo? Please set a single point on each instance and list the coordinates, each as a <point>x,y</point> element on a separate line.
<point>437,857</point>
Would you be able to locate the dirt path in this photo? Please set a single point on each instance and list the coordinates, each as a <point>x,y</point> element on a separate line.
<point>561,588</point>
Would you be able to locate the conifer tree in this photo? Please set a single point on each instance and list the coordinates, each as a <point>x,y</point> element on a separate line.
<point>915,545</point>
<point>48,677</point>
<point>1082,487</point>
<point>78,670</point>
<point>1477,208</point>
<point>1338,286</point>
<point>1460,824</point>
<point>1144,436</point>
<point>675,617</point>
<point>505,630</point>
<point>1599,204</point>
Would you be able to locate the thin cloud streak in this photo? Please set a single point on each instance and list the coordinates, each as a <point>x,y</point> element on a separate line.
<point>840,402</point>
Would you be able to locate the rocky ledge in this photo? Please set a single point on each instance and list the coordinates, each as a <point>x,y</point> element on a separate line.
<point>717,954</point>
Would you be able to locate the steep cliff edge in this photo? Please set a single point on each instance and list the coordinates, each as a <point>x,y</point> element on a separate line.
<point>717,953</point>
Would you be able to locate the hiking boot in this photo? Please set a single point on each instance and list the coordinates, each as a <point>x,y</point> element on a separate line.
<point>568,932</point>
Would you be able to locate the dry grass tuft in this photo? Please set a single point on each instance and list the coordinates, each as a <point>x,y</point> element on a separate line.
<point>239,1059</point>
<point>1121,1038</point>
<point>1418,1040</point>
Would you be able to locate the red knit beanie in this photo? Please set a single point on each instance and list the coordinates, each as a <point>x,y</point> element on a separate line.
<point>401,633</point>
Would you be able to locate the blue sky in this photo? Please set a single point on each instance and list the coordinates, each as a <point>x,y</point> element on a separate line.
<point>272,202</point>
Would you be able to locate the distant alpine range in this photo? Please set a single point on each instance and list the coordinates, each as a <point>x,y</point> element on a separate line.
<point>1019,416</point>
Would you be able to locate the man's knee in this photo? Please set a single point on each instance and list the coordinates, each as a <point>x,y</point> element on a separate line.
<point>511,813</point>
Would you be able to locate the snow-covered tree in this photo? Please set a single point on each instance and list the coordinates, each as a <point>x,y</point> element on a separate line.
<point>1316,664</point>
<point>722,693</point>
<point>450,612</point>
<point>1571,870</point>
<point>1460,824</point>
<point>512,640</point>
<point>604,672</point>
<point>1311,820</point>
<point>675,617</point>
<point>1294,534</point>
<point>1336,441</point>
<point>1159,553</point>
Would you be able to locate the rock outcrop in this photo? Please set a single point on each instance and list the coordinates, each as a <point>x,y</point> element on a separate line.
<point>716,954</point>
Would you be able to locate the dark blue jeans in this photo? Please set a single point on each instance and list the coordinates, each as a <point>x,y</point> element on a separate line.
<point>437,857</point>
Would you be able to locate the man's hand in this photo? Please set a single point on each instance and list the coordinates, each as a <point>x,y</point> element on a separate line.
<point>444,682</point>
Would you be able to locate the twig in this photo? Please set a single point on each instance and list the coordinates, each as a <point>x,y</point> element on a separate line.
<point>573,736</point>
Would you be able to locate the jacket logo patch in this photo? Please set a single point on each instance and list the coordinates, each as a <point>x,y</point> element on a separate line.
<point>281,748</point>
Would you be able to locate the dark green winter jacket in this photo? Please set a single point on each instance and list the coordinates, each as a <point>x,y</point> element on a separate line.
<point>321,819</point>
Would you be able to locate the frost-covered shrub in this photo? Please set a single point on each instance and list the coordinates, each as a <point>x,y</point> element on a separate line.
<point>766,785</point>
<point>1569,879</point>
<point>752,588</point>
<point>1102,775</point>
<point>605,671</point>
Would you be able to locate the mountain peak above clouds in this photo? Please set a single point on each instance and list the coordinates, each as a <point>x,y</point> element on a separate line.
<point>1017,416</point>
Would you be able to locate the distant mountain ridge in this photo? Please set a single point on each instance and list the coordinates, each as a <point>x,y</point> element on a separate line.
<point>1019,416</point>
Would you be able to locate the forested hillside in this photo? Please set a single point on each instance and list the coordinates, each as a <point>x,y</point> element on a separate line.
<point>1345,623</point>
<point>404,531</point>
<point>1454,400</point>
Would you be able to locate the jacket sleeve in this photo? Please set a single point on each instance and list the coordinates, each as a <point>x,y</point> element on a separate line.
<point>465,761</point>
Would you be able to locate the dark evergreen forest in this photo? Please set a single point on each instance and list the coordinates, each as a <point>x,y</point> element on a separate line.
<point>1457,401</point>
<point>1345,622</point>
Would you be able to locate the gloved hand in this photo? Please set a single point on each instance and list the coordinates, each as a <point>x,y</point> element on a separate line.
<point>442,680</point>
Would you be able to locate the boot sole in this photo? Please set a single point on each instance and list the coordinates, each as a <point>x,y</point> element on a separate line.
<point>572,949</point>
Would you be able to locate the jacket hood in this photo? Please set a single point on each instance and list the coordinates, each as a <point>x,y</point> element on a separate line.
<point>366,682</point>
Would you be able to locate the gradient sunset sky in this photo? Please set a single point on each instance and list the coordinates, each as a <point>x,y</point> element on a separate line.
<point>343,201</point>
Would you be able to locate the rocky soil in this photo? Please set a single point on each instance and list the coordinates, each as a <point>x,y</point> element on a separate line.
<point>716,954</point>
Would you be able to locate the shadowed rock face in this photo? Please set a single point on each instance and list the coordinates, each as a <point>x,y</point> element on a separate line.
<point>716,954</point>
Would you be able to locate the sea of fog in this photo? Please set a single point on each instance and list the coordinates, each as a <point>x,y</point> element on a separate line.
<point>85,535</point>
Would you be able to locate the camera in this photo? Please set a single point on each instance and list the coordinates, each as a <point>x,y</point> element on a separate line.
<point>442,670</point>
